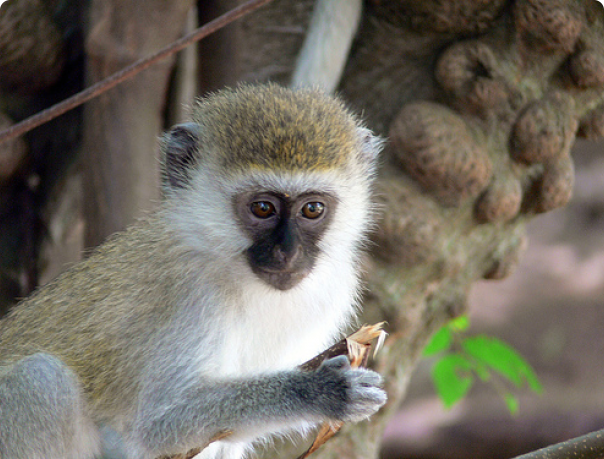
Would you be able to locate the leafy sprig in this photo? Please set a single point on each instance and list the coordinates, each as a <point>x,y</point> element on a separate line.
<point>462,359</point>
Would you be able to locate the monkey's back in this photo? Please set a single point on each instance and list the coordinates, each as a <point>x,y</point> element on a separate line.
<point>92,315</point>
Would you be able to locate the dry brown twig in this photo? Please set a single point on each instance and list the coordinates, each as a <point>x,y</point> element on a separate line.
<point>357,348</point>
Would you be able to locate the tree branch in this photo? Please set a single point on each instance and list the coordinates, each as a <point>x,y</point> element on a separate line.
<point>590,446</point>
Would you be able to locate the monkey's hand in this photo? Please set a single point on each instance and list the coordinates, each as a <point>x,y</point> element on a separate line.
<point>348,394</point>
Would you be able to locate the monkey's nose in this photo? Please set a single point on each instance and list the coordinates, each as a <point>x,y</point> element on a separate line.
<point>286,257</point>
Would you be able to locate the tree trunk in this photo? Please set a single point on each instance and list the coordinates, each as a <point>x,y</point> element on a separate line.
<point>122,125</point>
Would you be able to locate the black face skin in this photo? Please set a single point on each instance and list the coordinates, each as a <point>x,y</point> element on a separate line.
<point>285,231</point>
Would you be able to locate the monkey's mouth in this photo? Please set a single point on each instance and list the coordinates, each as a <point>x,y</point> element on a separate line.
<point>281,280</point>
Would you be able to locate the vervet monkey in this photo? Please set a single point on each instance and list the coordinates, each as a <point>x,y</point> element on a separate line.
<point>191,323</point>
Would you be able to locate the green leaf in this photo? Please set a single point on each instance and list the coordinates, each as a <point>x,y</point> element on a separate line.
<point>459,324</point>
<point>482,371</point>
<point>452,378</point>
<point>512,402</point>
<point>503,359</point>
<point>440,341</point>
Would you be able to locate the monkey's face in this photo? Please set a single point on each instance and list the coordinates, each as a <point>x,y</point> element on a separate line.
<point>285,231</point>
<point>254,181</point>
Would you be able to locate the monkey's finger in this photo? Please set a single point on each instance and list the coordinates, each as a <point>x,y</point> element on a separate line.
<point>364,403</point>
<point>367,378</point>
<point>340,362</point>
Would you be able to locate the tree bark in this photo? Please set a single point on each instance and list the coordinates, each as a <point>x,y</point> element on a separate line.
<point>32,52</point>
<point>121,126</point>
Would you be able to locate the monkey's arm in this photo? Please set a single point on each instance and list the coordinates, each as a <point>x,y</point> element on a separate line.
<point>259,405</point>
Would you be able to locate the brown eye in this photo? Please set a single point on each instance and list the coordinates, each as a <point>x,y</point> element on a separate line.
<point>313,210</point>
<point>262,209</point>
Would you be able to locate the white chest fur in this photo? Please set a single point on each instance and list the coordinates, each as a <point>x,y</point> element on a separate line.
<point>268,330</point>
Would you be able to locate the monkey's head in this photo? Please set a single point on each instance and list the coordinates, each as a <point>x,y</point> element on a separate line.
<point>278,178</point>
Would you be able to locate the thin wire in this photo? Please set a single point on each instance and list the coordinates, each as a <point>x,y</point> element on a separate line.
<point>128,72</point>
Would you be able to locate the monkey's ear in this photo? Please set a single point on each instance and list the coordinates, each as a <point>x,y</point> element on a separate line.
<point>179,155</point>
<point>371,146</point>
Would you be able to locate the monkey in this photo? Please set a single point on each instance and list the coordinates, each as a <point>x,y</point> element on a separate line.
<point>189,326</point>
